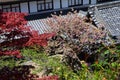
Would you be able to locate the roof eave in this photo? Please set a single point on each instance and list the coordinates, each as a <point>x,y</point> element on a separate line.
<point>14,1</point>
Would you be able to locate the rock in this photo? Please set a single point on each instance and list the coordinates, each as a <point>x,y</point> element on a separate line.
<point>57,55</point>
<point>45,72</point>
<point>30,63</point>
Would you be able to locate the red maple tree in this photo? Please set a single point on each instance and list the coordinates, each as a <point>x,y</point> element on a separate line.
<point>15,34</point>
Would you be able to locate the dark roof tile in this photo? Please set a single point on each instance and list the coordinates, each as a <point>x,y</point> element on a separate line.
<point>39,25</point>
<point>107,14</point>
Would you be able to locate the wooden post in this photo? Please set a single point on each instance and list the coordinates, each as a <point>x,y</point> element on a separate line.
<point>28,7</point>
<point>61,4</point>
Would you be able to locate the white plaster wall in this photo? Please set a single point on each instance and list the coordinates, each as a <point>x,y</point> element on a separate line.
<point>24,7</point>
<point>93,1</point>
<point>64,3</point>
<point>33,6</point>
<point>85,1</point>
<point>56,4</point>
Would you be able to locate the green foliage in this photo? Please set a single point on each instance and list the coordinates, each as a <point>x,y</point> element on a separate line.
<point>105,69</point>
<point>7,61</point>
<point>108,62</point>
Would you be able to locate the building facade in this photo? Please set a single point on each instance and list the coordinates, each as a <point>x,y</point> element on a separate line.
<point>33,6</point>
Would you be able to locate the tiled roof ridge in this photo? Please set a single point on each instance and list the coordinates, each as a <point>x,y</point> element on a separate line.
<point>106,5</point>
<point>107,15</point>
<point>7,0</point>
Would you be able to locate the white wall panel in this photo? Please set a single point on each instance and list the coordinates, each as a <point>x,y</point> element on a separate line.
<point>56,4</point>
<point>24,7</point>
<point>33,6</point>
<point>93,1</point>
<point>64,3</point>
<point>86,1</point>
